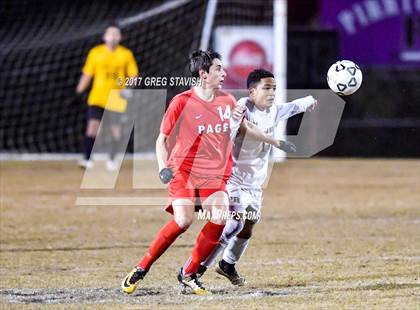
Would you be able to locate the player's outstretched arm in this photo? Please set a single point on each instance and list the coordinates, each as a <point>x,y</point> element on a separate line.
<point>310,105</point>
<point>286,146</point>
<point>250,129</point>
<point>165,173</point>
<point>304,104</point>
<point>257,134</point>
<point>300,105</point>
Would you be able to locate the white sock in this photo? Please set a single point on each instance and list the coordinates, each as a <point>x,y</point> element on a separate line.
<point>235,249</point>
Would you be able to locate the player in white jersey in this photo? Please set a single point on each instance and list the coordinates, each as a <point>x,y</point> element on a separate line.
<point>250,168</point>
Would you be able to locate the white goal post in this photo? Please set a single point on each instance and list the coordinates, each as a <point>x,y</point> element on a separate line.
<point>280,65</point>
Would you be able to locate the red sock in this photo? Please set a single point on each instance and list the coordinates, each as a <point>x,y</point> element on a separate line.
<point>165,237</point>
<point>207,240</point>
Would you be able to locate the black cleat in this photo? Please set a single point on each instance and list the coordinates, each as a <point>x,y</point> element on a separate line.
<point>228,271</point>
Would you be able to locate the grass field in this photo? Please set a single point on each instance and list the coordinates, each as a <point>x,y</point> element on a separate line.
<point>335,233</point>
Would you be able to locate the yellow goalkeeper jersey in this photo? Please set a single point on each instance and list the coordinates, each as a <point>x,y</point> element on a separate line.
<point>109,70</point>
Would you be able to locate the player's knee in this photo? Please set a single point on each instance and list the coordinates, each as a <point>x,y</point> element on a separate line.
<point>220,204</point>
<point>91,133</point>
<point>246,232</point>
<point>116,132</point>
<point>184,221</point>
<point>218,200</point>
<point>116,137</point>
<point>232,228</point>
<point>238,228</point>
<point>224,240</point>
<point>219,214</point>
<point>217,204</point>
<point>183,213</point>
<point>92,128</point>
<point>245,235</point>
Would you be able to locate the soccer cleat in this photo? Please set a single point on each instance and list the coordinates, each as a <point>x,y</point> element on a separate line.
<point>192,284</point>
<point>111,165</point>
<point>228,271</point>
<point>201,270</point>
<point>86,164</point>
<point>130,282</point>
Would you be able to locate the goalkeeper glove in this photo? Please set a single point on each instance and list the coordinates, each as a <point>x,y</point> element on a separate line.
<point>165,175</point>
<point>286,146</point>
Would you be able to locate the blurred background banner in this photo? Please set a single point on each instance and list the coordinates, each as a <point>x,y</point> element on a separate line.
<point>244,48</point>
<point>376,32</point>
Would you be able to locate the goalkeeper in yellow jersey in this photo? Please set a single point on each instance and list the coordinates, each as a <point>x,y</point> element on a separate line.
<point>108,65</point>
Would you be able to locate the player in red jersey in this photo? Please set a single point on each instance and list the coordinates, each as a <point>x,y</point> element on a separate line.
<point>197,169</point>
<point>198,166</point>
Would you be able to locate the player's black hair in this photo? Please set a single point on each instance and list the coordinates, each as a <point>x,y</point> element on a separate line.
<point>255,77</point>
<point>202,60</point>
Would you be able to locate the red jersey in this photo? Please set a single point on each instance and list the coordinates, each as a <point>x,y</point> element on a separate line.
<point>203,147</point>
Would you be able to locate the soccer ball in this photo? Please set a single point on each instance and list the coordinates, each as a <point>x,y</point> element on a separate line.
<point>344,77</point>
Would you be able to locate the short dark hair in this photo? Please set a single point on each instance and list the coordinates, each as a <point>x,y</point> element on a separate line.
<point>255,77</point>
<point>202,60</point>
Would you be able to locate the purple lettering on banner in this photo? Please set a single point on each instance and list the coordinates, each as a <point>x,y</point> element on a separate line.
<point>376,32</point>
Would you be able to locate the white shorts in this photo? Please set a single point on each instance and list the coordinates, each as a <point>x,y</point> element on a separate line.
<point>245,200</point>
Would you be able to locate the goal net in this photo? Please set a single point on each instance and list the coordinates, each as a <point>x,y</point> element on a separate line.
<point>45,44</point>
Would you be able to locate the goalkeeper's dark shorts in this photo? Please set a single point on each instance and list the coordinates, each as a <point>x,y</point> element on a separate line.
<point>109,117</point>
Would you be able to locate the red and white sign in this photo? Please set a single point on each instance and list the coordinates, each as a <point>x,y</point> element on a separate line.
<point>243,49</point>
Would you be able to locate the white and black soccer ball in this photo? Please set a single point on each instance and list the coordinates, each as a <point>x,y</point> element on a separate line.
<point>344,77</point>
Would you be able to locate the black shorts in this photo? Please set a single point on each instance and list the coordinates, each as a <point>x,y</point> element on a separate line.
<point>111,117</point>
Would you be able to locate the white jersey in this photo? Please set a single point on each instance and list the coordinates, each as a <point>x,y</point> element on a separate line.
<point>250,156</point>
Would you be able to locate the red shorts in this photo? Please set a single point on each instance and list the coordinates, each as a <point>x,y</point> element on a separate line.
<point>186,186</point>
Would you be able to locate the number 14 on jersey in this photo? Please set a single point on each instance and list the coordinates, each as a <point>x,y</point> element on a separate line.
<point>224,115</point>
